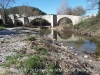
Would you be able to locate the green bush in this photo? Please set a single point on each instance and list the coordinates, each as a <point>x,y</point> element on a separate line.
<point>92,24</point>
<point>2,27</point>
<point>54,70</point>
<point>41,50</point>
<point>34,64</point>
<point>30,38</point>
<point>11,60</point>
<point>8,25</point>
<point>39,73</point>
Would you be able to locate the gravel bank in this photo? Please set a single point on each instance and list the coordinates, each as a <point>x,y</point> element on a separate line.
<point>12,40</point>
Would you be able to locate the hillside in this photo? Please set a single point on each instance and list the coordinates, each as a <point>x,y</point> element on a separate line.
<point>28,10</point>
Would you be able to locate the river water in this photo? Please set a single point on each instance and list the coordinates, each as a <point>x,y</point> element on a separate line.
<point>79,43</point>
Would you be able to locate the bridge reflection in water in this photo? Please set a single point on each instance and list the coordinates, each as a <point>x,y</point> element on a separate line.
<point>83,43</point>
<point>62,36</point>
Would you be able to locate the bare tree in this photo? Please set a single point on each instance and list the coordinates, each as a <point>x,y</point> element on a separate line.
<point>99,7</point>
<point>94,5</point>
<point>68,11</point>
<point>25,10</point>
<point>4,4</point>
<point>62,8</point>
<point>79,11</point>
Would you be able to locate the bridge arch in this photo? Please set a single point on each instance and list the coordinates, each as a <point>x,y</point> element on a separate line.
<point>73,18</point>
<point>64,21</point>
<point>49,18</point>
<point>40,22</point>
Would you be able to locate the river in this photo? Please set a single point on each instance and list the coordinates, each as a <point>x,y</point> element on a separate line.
<point>79,43</point>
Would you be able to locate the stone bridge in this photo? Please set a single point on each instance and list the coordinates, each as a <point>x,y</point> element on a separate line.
<point>53,19</point>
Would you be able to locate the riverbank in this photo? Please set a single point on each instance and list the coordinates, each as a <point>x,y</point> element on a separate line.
<point>23,50</point>
<point>86,32</point>
<point>88,27</point>
<point>78,31</point>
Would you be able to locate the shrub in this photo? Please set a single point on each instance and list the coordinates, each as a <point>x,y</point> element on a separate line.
<point>33,65</point>
<point>11,60</point>
<point>54,70</point>
<point>2,27</point>
<point>39,73</point>
<point>42,51</point>
<point>30,38</point>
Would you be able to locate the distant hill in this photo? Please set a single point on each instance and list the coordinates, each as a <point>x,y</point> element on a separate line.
<point>27,10</point>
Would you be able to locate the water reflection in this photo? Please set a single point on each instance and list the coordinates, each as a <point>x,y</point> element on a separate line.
<point>63,35</point>
<point>84,43</point>
<point>46,31</point>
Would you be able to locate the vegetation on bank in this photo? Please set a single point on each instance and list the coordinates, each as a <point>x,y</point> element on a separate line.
<point>91,24</point>
<point>89,27</point>
<point>3,26</point>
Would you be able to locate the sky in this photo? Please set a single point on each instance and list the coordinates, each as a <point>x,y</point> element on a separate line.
<point>51,6</point>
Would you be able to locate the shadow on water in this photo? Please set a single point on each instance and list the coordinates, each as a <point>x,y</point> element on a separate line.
<point>89,45</point>
<point>8,32</point>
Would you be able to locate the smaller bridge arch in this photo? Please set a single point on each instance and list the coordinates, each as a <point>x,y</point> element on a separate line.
<point>74,19</point>
<point>64,21</point>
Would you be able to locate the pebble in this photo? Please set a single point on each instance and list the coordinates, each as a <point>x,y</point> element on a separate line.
<point>61,44</point>
<point>85,56</point>
<point>71,47</point>
<point>13,70</point>
<point>90,60</point>
<point>75,60</point>
<point>3,71</point>
<point>58,44</point>
<point>76,54</point>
